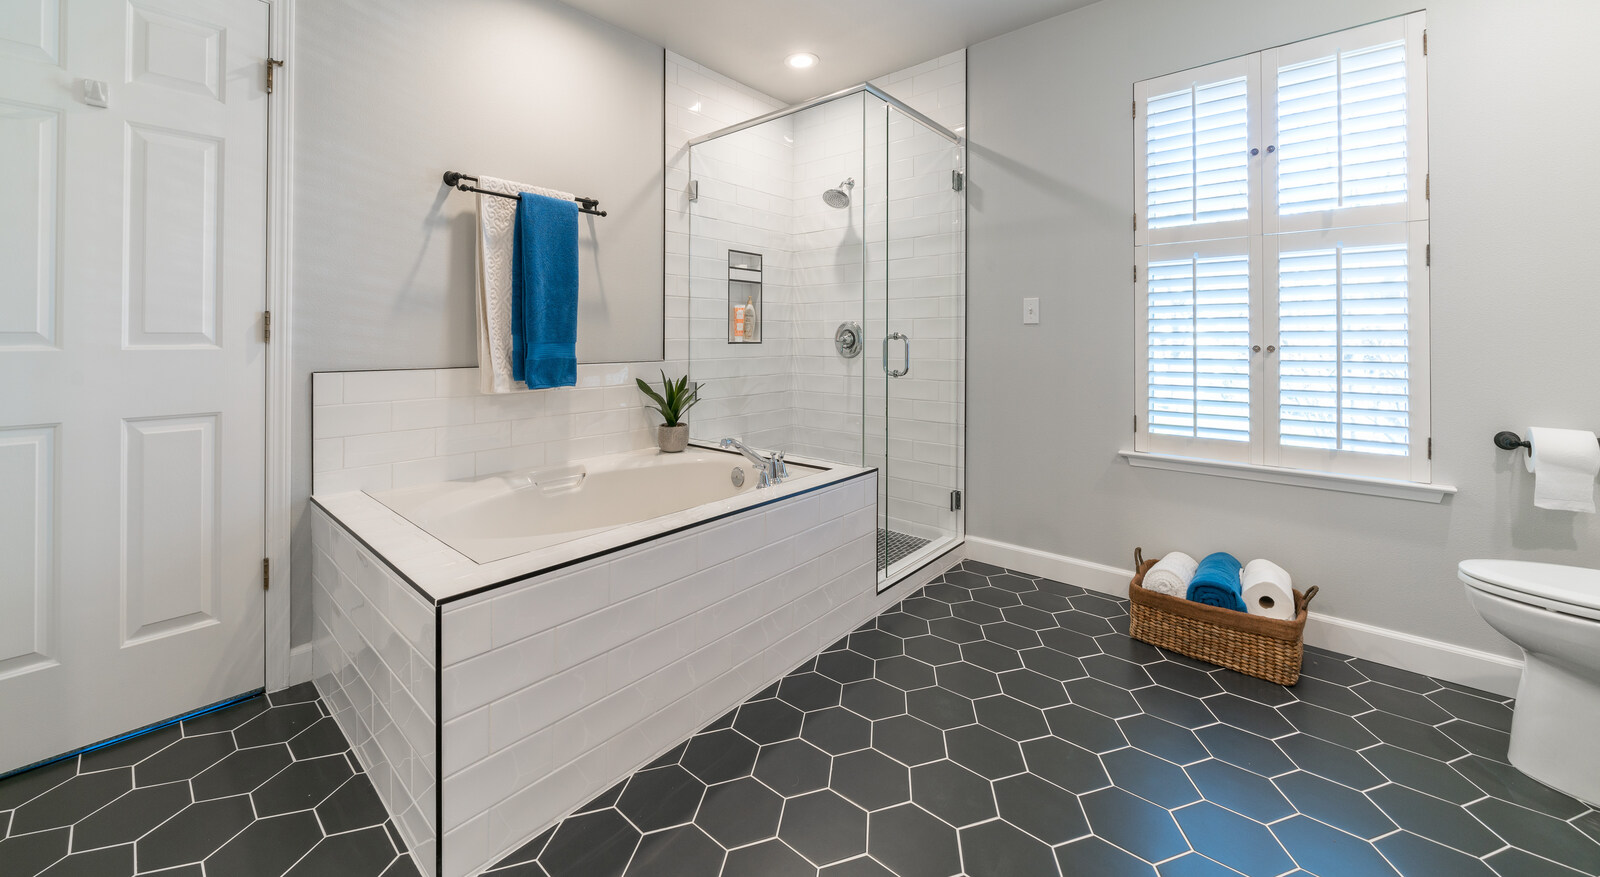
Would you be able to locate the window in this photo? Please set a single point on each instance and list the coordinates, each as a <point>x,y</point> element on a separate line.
<point>1281,252</point>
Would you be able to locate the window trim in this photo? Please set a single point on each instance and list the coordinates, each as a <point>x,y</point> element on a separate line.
<point>1384,487</point>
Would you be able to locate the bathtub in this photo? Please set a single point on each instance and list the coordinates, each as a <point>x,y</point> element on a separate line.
<point>504,515</point>
<point>500,650</point>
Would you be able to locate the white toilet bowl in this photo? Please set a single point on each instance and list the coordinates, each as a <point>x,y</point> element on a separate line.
<point>1553,613</point>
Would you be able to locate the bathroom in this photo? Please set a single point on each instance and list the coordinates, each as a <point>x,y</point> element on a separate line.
<point>227,653</point>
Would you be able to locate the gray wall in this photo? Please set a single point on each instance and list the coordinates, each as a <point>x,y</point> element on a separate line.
<point>388,95</point>
<point>1513,334</point>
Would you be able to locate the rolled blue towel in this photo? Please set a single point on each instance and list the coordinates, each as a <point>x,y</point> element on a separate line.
<point>1216,582</point>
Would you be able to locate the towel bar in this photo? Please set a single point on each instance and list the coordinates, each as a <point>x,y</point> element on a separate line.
<point>454,180</point>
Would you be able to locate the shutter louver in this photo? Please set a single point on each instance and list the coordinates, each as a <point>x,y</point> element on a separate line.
<point>1342,130</point>
<point>1198,334</point>
<point>1344,336</point>
<point>1196,154</point>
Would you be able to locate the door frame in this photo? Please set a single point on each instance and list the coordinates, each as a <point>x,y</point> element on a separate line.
<point>281,669</point>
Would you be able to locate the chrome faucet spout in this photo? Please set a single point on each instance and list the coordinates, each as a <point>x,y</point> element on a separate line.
<point>772,469</point>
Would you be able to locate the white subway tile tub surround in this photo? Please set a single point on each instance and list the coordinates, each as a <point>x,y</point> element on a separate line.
<point>375,664</point>
<point>557,686</point>
<point>376,430</point>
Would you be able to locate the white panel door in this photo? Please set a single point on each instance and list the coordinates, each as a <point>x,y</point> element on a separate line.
<point>132,280</point>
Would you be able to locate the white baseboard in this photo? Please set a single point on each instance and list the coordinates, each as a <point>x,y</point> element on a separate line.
<point>1441,660</point>
<point>300,664</point>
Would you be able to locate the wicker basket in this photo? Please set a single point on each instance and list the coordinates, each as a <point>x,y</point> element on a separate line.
<point>1267,648</point>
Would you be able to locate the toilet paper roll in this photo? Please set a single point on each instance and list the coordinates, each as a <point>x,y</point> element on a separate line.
<point>1564,463</point>
<point>1268,590</point>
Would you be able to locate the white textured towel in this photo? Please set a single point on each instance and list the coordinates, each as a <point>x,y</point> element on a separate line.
<point>1171,575</point>
<point>497,224</point>
<point>1267,589</point>
<point>1564,463</point>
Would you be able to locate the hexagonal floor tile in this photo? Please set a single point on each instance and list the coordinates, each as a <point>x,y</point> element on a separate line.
<point>809,691</point>
<point>793,767</point>
<point>871,779</point>
<point>662,797</point>
<point>951,792</point>
<point>1149,777</point>
<point>999,849</point>
<point>824,827</point>
<point>740,812</point>
<point>835,731</point>
<point>912,842</point>
<point>908,739</point>
<point>1233,840</point>
<point>1134,824</point>
<point>719,756</point>
<point>1044,810</point>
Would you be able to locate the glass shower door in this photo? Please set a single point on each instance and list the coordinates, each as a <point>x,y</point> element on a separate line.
<point>923,344</point>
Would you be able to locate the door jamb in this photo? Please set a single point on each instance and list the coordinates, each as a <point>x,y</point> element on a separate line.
<point>280,421</point>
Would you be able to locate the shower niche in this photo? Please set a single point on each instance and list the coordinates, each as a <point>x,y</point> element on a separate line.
<point>744,297</point>
<point>842,213</point>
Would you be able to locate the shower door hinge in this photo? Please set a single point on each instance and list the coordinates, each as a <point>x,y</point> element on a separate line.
<point>694,190</point>
<point>272,71</point>
<point>266,574</point>
<point>958,180</point>
<point>266,327</point>
<point>955,500</point>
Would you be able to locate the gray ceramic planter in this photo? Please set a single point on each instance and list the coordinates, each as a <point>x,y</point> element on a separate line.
<point>672,439</point>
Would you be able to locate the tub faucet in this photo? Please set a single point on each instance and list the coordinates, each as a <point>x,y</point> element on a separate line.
<point>773,469</point>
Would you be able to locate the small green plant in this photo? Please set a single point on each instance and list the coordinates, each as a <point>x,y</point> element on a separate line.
<point>675,398</point>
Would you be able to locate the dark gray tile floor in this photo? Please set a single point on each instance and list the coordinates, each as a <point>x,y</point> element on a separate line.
<point>991,724</point>
<point>1000,724</point>
<point>263,788</point>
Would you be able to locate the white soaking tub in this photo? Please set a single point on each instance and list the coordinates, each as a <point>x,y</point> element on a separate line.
<point>500,516</point>
<point>499,651</point>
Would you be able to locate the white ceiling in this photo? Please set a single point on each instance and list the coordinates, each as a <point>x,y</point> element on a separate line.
<point>856,40</point>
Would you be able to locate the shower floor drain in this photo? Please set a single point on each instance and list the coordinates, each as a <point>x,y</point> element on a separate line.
<point>894,547</point>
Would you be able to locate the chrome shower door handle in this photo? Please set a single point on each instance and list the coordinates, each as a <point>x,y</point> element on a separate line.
<point>893,373</point>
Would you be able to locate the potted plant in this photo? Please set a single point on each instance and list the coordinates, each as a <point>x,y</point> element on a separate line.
<point>675,398</point>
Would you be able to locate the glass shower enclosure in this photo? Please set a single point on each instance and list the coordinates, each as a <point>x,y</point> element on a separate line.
<point>827,302</point>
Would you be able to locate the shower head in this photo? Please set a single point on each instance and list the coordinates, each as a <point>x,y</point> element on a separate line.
<point>839,197</point>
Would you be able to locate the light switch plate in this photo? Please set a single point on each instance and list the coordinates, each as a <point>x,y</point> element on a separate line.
<point>1030,311</point>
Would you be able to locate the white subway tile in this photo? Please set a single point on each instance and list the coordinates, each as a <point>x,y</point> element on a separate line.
<point>389,386</point>
<point>332,421</point>
<point>548,603</point>
<point>388,447</point>
<point>327,388</point>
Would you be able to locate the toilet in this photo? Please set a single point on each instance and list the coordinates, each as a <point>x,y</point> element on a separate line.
<point>1553,613</point>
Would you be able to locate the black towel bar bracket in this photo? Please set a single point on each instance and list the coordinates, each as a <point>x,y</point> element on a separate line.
<point>1506,440</point>
<point>454,179</point>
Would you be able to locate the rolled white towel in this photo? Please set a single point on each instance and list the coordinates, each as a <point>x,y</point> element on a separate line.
<point>1268,590</point>
<point>1171,575</point>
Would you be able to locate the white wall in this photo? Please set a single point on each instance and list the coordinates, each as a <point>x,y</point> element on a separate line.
<point>1051,193</point>
<point>388,96</point>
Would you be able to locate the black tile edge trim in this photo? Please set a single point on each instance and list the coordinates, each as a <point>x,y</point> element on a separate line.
<point>438,742</point>
<point>378,554</point>
<point>138,732</point>
<point>650,538</point>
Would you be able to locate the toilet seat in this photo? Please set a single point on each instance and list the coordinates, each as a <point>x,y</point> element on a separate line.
<point>1570,590</point>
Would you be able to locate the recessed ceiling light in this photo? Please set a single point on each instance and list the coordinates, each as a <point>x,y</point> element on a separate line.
<point>801,60</point>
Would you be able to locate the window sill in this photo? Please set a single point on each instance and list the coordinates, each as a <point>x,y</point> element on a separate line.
<point>1298,477</point>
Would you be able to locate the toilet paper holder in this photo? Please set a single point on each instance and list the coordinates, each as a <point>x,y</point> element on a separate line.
<point>1507,440</point>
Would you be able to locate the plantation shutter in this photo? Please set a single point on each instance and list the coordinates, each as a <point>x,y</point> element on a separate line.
<point>1196,347</point>
<point>1344,128</point>
<point>1196,177</point>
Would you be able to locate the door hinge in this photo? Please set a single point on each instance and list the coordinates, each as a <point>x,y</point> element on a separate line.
<point>1136,222</point>
<point>955,500</point>
<point>266,327</point>
<point>1424,41</point>
<point>1136,274</point>
<point>1136,423</point>
<point>272,73</point>
<point>1136,108</point>
<point>1430,447</point>
<point>958,180</point>
<point>1427,187</point>
<point>266,574</point>
<point>694,190</point>
<point>1427,255</point>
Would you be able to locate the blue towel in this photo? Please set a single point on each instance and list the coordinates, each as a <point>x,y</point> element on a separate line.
<point>1216,582</point>
<point>544,293</point>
